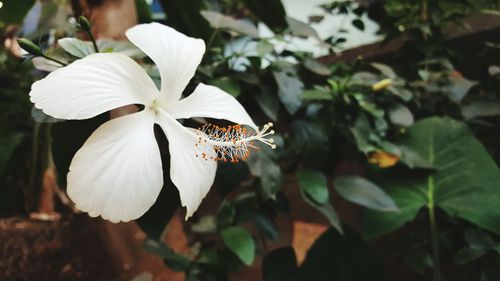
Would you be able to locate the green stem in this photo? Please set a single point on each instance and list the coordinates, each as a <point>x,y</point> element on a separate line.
<point>54,60</point>
<point>212,38</point>
<point>432,215</point>
<point>34,166</point>
<point>435,244</point>
<point>93,42</point>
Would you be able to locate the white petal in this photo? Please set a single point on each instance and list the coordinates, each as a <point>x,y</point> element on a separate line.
<point>117,174</point>
<point>193,176</point>
<point>212,102</point>
<point>93,85</point>
<point>176,55</point>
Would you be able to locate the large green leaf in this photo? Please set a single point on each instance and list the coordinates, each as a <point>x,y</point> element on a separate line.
<point>341,257</point>
<point>185,17</point>
<point>466,183</point>
<point>280,265</point>
<point>271,12</point>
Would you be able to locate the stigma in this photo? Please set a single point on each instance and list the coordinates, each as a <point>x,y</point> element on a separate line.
<point>232,143</point>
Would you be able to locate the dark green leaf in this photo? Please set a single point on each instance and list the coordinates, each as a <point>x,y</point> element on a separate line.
<point>317,94</point>
<point>8,144</point>
<point>386,70</point>
<point>220,21</point>
<point>316,67</point>
<point>414,160</point>
<point>326,210</point>
<point>266,225</point>
<point>289,89</point>
<point>185,17</point>
<point>280,265</point>
<point>143,11</point>
<point>459,87</point>
<point>365,193</point>
<point>14,11</point>
<point>359,24</point>
<point>229,85</point>
<point>269,172</point>
<point>314,185</point>
<point>465,184</point>
<point>301,29</point>
<point>268,102</point>
<point>481,109</point>
<point>239,241</point>
<point>341,257</point>
<point>271,12</point>
<point>400,115</point>
<point>361,132</point>
<point>173,260</point>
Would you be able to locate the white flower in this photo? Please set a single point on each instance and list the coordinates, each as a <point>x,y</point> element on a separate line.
<point>117,174</point>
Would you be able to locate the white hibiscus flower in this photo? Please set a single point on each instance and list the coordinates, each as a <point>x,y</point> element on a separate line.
<point>117,174</point>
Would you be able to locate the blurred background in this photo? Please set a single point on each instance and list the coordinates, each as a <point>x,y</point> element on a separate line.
<point>387,126</point>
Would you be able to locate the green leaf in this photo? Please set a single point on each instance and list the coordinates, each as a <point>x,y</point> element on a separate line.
<point>143,11</point>
<point>400,115</point>
<point>317,94</point>
<point>76,47</point>
<point>271,12</point>
<point>364,193</point>
<point>459,87</point>
<point>465,184</point>
<point>263,48</point>
<point>14,11</point>
<point>173,260</point>
<point>207,224</point>
<point>326,210</point>
<point>280,265</point>
<point>341,257</point>
<point>240,242</point>
<point>359,24</point>
<point>314,185</point>
<point>481,108</point>
<point>8,144</point>
<point>229,85</point>
<point>386,70</point>
<point>361,132</point>
<point>266,226</point>
<point>301,29</point>
<point>185,17</point>
<point>289,89</point>
<point>269,172</point>
<point>220,21</point>
<point>316,67</point>
<point>268,102</point>
<point>413,159</point>
<point>478,244</point>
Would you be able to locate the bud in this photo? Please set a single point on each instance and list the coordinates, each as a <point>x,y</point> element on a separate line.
<point>29,47</point>
<point>84,24</point>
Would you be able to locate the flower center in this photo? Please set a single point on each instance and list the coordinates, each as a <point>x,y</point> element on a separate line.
<point>154,106</point>
<point>232,143</point>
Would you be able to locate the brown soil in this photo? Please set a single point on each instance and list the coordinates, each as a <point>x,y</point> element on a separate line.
<point>74,248</point>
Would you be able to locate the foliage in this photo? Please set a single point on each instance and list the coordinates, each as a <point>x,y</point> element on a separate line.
<point>414,129</point>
